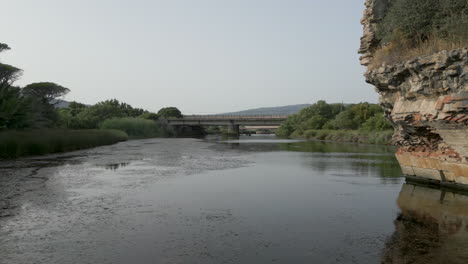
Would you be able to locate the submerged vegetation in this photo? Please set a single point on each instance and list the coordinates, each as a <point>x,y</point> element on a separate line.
<point>413,28</point>
<point>14,144</point>
<point>362,123</point>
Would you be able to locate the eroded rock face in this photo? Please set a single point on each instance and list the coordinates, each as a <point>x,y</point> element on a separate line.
<point>374,12</point>
<point>426,98</point>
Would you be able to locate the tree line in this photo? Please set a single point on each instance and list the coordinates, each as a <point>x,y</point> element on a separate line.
<point>324,116</point>
<point>33,106</point>
<point>31,123</point>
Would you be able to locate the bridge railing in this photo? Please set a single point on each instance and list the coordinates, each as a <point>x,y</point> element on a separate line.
<point>229,117</point>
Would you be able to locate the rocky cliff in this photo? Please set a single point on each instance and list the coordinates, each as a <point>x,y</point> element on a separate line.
<point>426,98</point>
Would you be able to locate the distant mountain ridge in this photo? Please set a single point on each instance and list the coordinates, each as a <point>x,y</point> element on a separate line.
<point>278,110</point>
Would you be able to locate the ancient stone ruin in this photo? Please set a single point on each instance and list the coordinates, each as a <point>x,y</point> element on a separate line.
<point>426,98</point>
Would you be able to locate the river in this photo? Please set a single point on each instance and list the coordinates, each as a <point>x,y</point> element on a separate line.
<point>250,200</point>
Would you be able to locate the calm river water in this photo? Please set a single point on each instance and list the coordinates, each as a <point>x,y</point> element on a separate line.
<point>253,200</point>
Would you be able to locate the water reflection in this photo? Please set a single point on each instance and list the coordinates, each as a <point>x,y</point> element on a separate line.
<point>337,158</point>
<point>431,228</point>
<point>115,166</point>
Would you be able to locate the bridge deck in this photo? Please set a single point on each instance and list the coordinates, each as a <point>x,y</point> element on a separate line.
<point>222,120</point>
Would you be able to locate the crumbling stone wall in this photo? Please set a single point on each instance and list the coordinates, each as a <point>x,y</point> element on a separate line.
<point>426,99</point>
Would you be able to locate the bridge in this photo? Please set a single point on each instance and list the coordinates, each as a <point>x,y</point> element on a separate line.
<point>233,122</point>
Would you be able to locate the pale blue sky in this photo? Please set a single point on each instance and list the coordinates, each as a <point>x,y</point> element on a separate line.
<point>203,56</point>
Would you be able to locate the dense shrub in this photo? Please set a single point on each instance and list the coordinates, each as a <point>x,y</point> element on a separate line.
<point>357,136</point>
<point>414,21</point>
<point>136,127</point>
<point>170,112</point>
<point>16,111</point>
<point>14,144</point>
<point>413,28</point>
<point>80,116</point>
<point>344,120</point>
<point>323,116</point>
<point>376,123</point>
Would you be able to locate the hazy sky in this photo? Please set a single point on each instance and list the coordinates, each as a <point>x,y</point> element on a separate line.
<point>203,56</point>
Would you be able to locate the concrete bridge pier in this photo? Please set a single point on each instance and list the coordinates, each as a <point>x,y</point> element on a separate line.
<point>233,129</point>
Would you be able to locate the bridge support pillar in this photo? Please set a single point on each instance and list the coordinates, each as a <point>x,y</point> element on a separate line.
<point>234,129</point>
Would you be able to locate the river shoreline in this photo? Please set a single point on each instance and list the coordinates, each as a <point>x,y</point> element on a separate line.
<point>350,136</point>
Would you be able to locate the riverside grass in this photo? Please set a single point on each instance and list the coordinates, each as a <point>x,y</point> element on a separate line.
<point>15,144</point>
<point>357,136</point>
<point>136,127</point>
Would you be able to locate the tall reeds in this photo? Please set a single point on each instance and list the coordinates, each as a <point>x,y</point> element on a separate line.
<point>14,144</point>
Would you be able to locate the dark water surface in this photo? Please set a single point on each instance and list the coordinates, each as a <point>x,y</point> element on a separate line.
<point>253,200</point>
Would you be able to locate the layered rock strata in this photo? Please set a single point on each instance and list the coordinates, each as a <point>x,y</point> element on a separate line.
<point>426,99</point>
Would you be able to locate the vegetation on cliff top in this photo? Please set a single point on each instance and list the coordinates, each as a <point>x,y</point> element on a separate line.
<point>413,28</point>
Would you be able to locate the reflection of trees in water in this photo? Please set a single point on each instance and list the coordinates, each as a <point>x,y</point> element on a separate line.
<point>431,228</point>
<point>359,159</point>
<point>116,166</point>
<point>321,146</point>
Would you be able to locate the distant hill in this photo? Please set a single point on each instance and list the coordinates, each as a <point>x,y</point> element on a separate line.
<point>278,110</point>
<point>59,103</point>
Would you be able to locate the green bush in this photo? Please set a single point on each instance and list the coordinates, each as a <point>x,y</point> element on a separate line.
<point>310,134</point>
<point>14,144</point>
<point>170,112</point>
<point>414,21</point>
<point>322,134</point>
<point>297,133</point>
<point>134,127</point>
<point>357,136</point>
<point>376,123</point>
<point>323,116</point>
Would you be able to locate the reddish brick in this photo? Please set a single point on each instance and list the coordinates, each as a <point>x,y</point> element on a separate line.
<point>439,104</point>
<point>459,98</point>
<point>447,99</point>
<point>461,104</point>
<point>455,119</point>
<point>463,119</point>
<point>418,117</point>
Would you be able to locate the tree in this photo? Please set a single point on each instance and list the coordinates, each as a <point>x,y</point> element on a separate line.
<point>8,74</point>
<point>344,120</point>
<point>150,116</point>
<point>170,112</point>
<point>3,47</point>
<point>376,123</point>
<point>45,90</point>
<point>76,108</point>
<point>92,116</point>
<point>43,95</point>
<point>286,128</point>
<point>15,110</point>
